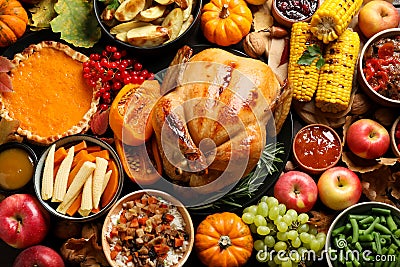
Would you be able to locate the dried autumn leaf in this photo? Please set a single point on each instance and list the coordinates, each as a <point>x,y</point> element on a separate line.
<point>5,83</point>
<point>5,64</point>
<point>76,22</point>
<point>8,131</point>
<point>85,251</point>
<point>358,164</point>
<point>42,14</point>
<point>322,220</point>
<point>375,184</point>
<point>99,122</point>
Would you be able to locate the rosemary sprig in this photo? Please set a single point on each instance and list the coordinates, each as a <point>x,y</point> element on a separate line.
<point>248,185</point>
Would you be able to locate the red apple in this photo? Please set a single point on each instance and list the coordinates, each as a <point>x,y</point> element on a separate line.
<point>376,16</point>
<point>23,221</point>
<point>367,139</point>
<point>38,256</point>
<point>339,188</point>
<point>297,190</point>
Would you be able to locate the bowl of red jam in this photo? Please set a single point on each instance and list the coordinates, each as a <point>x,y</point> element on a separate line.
<point>287,12</point>
<point>316,148</point>
<point>379,68</point>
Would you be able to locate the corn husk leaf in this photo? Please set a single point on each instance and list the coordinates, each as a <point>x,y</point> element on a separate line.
<point>76,23</point>
<point>42,14</point>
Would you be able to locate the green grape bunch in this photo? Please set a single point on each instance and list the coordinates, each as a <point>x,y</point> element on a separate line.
<point>282,237</point>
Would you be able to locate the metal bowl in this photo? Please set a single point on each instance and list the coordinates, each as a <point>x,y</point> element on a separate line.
<point>66,142</point>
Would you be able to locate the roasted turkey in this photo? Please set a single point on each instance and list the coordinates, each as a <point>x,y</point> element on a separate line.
<point>211,126</point>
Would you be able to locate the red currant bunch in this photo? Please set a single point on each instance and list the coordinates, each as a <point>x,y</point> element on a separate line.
<point>111,70</point>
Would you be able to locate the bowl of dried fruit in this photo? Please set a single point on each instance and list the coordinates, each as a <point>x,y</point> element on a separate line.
<point>147,228</point>
<point>288,12</point>
<point>78,178</point>
<point>395,137</point>
<point>149,27</point>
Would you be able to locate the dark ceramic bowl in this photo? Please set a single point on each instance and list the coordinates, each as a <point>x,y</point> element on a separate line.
<point>375,96</point>
<point>33,159</point>
<point>167,47</point>
<point>284,20</point>
<point>67,142</point>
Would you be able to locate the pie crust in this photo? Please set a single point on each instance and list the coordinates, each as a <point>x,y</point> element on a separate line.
<point>50,99</point>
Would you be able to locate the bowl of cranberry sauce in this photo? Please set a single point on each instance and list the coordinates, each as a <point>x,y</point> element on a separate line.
<point>316,148</point>
<point>287,12</point>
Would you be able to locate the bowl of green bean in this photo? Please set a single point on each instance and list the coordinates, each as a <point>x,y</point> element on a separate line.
<point>365,234</point>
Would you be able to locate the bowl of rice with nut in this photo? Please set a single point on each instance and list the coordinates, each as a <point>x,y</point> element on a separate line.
<point>147,228</point>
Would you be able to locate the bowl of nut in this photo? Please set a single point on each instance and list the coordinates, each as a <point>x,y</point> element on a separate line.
<point>148,27</point>
<point>78,178</point>
<point>147,228</point>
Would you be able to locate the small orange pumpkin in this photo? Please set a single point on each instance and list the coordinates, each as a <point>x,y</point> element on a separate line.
<point>226,22</point>
<point>222,240</point>
<point>13,21</point>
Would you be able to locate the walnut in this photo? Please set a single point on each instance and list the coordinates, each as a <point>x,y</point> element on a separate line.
<point>361,104</point>
<point>385,116</point>
<point>255,44</point>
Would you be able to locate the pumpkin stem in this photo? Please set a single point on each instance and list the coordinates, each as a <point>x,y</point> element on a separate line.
<point>224,12</point>
<point>224,242</point>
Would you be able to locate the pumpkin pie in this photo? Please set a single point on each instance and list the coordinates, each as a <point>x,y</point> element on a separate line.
<point>51,98</point>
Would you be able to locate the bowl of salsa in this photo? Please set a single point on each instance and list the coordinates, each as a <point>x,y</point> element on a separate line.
<point>316,148</point>
<point>379,68</point>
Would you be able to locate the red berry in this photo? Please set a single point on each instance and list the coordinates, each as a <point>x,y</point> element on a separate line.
<point>113,65</point>
<point>121,67</point>
<point>92,63</point>
<point>128,80</point>
<point>87,75</point>
<point>116,55</point>
<point>104,53</point>
<point>397,133</point>
<point>86,69</point>
<point>140,79</point>
<point>107,95</point>
<point>150,76</point>
<point>116,86</point>
<point>104,107</point>
<point>144,73</point>
<point>118,76</point>
<point>110,73</point>
<point>123,53</point>
<point>137,66</point>
<point>98,94</point>
<point>125,74</point>
<point>107,87</point>
<point>86,64</point>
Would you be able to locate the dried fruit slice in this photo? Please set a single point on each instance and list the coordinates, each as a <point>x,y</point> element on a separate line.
<point>130,112</point>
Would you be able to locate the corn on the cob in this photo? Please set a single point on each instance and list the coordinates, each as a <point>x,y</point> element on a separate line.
<point>333,17</point>
<point>336,76</point>
<point>302,78</point>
